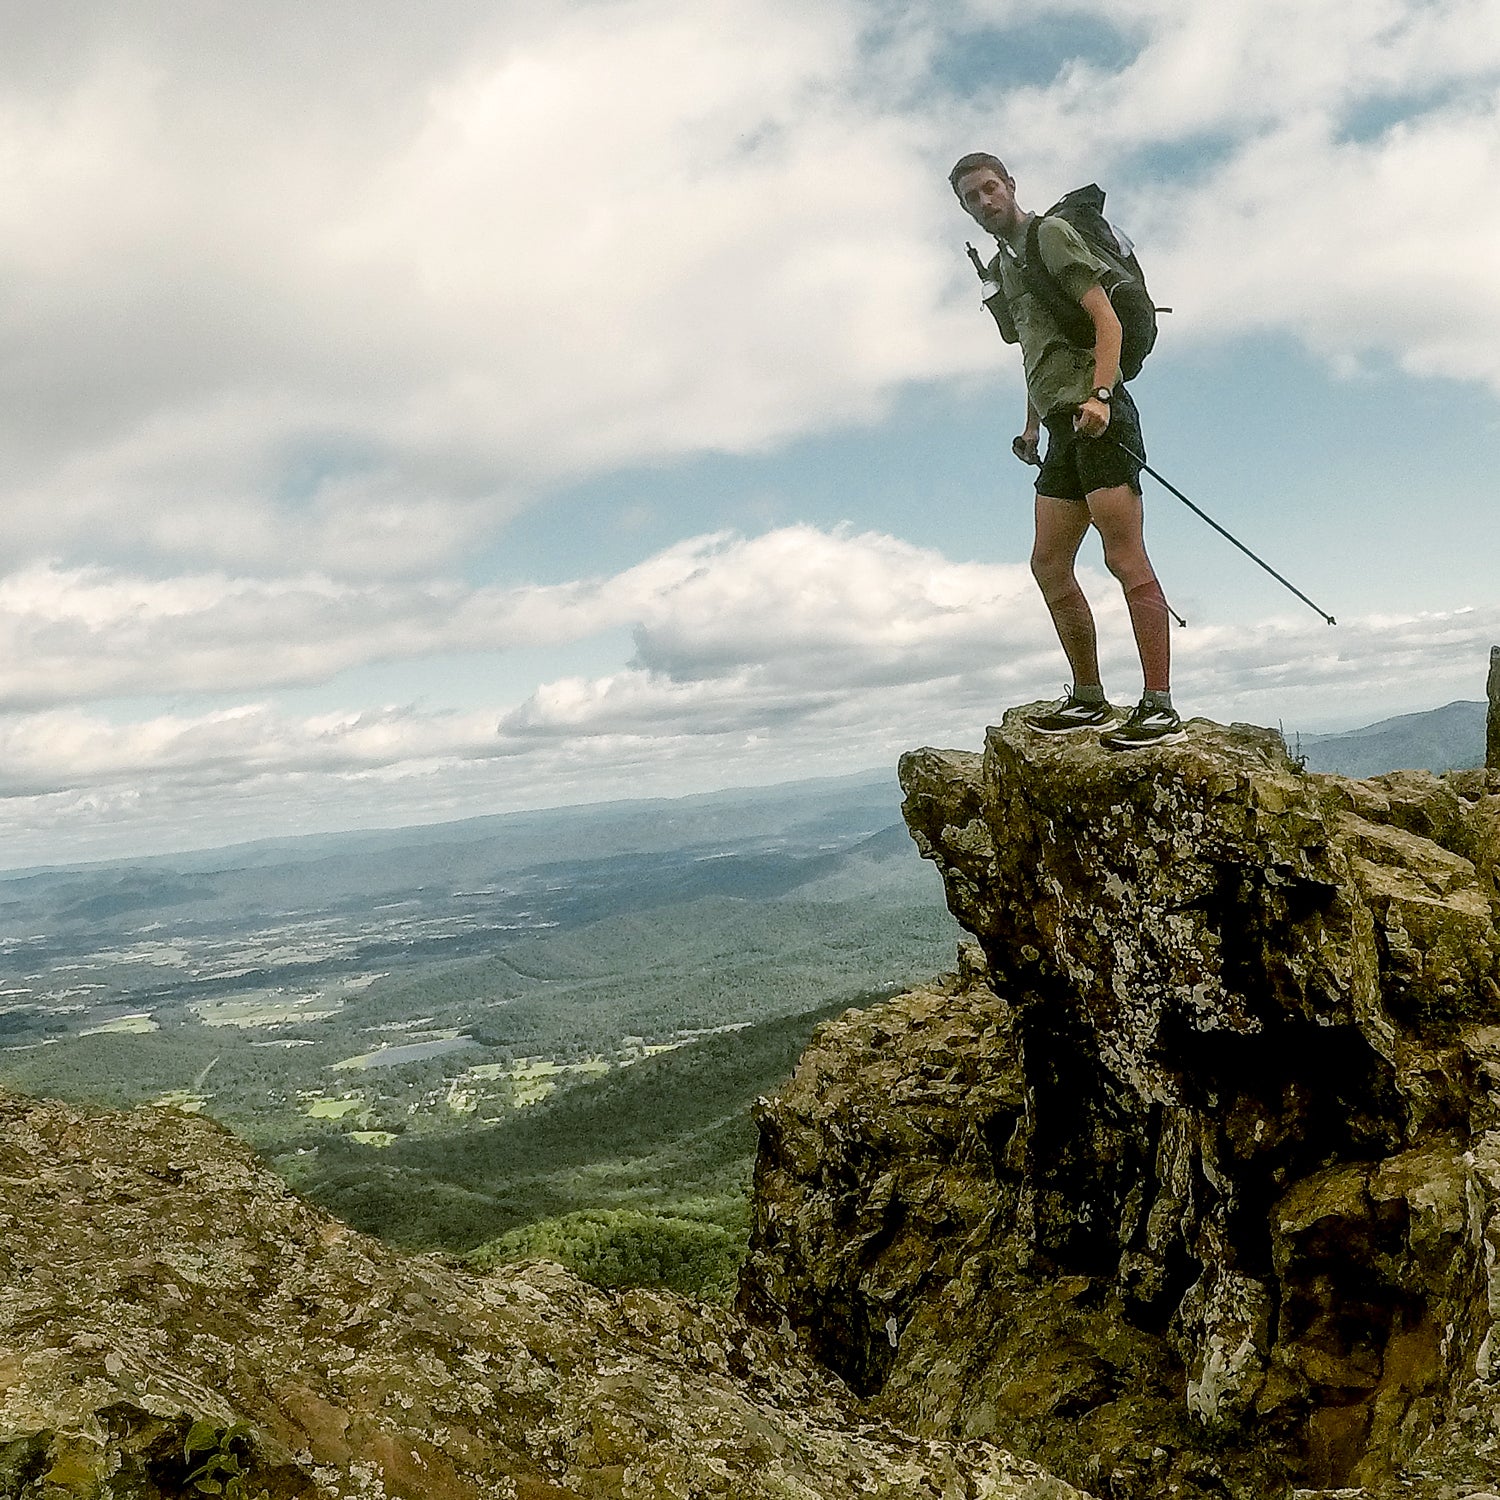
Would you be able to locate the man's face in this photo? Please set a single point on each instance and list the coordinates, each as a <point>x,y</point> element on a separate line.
<point>990,200</point>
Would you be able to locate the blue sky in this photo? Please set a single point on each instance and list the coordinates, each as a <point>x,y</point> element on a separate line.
<point>592,399</point>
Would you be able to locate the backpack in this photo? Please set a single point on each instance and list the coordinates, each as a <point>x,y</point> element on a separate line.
<point>1124,282</point>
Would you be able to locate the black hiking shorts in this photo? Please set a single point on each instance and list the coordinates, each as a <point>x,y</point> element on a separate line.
<point>1074,466</point>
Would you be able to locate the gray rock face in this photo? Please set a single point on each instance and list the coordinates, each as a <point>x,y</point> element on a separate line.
<point>1189,1184</point>
<point>1492,723</point>
<point>157,1285</point>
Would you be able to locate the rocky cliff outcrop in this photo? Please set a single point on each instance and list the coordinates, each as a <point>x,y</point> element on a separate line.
<point>1492,719</point>
<point>168,1309</point>
<point>1189,1182</point>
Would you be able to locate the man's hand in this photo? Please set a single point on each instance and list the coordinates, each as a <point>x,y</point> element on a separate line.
<point>1092,418</point>
<point>1025,448</point>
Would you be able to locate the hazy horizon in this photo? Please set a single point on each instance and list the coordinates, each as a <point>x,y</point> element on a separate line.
<point>861,775</point>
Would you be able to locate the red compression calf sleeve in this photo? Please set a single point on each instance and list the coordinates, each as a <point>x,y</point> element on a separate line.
<point>1148,618</point>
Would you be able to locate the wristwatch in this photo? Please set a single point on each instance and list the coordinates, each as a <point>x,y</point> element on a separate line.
<point>1103,393</point>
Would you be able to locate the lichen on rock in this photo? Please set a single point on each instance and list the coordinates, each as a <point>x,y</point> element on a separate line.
<point>161,1291</point>
<point>1201,1199</point>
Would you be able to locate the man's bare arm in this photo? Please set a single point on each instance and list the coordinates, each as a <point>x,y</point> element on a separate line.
<point>1093,416</point>
<point>1107,335</point>
<point>1025,446</point>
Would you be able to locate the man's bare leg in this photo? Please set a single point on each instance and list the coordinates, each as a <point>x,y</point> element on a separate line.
<point>1117,513</point>
<point>1060,529</point>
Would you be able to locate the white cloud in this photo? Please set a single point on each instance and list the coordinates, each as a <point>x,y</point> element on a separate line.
<point>589,235</point>
<point>261,307</point>
<point>1344,243</point>
<point>1240,66</point>
<point>70,635</point>
<point>758,659</point>
<point>871,604</point>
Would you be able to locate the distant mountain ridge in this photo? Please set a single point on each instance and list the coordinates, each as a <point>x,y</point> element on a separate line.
<point>755,842</point>
<point>861,801</point>
<point>1450,738</point>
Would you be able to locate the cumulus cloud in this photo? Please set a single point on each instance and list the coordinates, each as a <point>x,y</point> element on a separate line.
<point>258,306</point>
<point>304,322</point>
<point>869,604</point>
<point>1193,71</point>
<point>757,659</point>
<point>68,635</point>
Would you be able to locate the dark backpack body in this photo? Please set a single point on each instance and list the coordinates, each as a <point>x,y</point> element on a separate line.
<point>1124,282</point>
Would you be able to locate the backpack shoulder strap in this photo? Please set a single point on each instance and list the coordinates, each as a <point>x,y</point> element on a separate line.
<point>1071,318</point>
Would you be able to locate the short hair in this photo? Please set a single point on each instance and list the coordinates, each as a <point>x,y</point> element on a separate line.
<point>976,161</point>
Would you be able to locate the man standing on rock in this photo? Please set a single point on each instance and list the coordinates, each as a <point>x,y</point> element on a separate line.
<point>1087,478</point>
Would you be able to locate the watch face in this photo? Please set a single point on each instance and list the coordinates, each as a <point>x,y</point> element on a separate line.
<point>1103,393</point>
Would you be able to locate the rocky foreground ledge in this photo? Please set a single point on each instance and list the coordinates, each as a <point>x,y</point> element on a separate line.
<point>1188,1184</point>
<point>157,1285</point>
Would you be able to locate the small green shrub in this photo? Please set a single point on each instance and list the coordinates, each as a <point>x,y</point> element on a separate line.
<point>220,1468</point>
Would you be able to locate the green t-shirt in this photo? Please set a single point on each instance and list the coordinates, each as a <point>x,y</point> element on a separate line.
<point>1059,375</point>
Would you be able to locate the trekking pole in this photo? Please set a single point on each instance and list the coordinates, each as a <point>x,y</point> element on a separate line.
<point>1131,453</point>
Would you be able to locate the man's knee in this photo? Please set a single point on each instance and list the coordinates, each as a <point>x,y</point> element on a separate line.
<point>1053,573</point>
<point>1130,566</point>
<point>1127,560</point>
<point>1117,515</point>
<point>1058,587</point>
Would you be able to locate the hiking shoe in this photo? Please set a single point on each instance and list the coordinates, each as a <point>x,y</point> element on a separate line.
<point>1069,714</point>
<point>1145,726</point>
